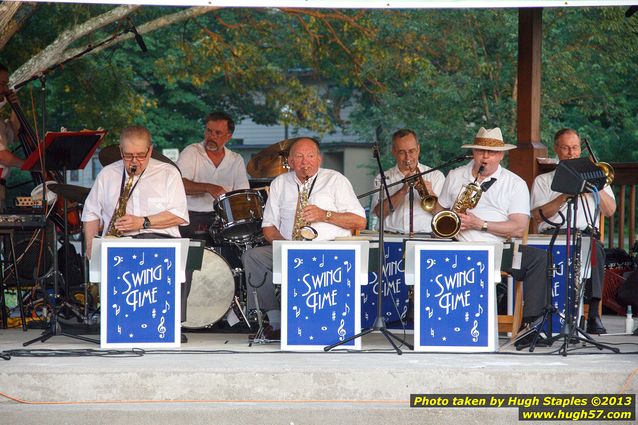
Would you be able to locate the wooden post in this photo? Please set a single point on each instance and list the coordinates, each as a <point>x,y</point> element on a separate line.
<point>523,159</point>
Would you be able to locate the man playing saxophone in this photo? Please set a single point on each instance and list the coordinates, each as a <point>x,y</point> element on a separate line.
<point>406,150</point>
<point>331,209</point>
<point>137,196</point>
<point>550,203</point>
<point>156,202</point>
<point>502,211</point>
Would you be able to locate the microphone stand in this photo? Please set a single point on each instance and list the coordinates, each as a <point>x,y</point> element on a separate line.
<point>379,322</point>
<point>570,331</point>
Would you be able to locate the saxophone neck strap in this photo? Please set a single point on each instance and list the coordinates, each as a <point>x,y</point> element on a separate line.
<point>122,184</point>
<point>311,186</point>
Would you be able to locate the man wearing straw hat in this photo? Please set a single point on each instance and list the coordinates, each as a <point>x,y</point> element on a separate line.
<point>502,212</point>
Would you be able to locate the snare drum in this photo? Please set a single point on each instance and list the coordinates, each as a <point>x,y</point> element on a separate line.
<point>212,292</point>
<point>240,214</point>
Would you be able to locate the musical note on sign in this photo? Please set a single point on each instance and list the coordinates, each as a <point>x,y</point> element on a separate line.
<point>474,332</point>
<point>456,262</point>
<point>346,310</point>
<point>167,307</point>
<point>341,331</point>
<point>117,309</point>
<point>142,260</point>
<point>161,328</point>
<point>169,263</point>
<point>119,329</point>
<point>323,261</point>
<point>118,260</point>
<point>480,310</point>
<point>298,262</point>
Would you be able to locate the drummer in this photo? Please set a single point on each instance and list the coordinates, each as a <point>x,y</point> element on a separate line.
<point>209,170</point>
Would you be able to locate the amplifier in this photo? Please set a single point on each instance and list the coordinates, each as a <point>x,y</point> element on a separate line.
<point>22,221</point>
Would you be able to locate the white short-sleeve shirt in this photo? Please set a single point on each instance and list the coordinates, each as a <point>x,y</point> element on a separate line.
<point>332,191</point>
<point>158,189</point>
<point>507,195</point>
<point>399,220</point>
<point>542,193</point>
<point>196,166</point>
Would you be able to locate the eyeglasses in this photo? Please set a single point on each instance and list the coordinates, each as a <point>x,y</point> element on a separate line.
<point>132,156</point>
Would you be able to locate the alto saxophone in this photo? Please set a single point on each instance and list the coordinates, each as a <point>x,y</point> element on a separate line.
<point>302,231</point>
<point>447,223</point>
<point>120,209</point>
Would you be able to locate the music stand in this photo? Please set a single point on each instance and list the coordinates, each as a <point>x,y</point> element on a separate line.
<point>574,177</point>
<point>62,151</point>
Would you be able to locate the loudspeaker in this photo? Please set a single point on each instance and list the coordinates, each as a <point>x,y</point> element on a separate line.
<point>575,176</point>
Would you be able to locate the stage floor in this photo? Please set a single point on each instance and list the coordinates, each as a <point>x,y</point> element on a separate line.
<point>219,378</point>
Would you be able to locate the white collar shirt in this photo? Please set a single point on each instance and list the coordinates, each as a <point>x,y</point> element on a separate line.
<point>542,193</point>
<point>158,189</point>
<point>507,195</point>
<point>331,191</point>
<point>196,166</point>
<point>399,220</point>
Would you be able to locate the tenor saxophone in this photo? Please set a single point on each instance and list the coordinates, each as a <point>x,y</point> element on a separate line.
<point>120,209</point>
<point>302,231</point>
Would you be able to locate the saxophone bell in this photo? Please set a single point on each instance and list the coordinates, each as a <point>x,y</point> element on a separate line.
<point>447,223</point>
<point>132,169</point>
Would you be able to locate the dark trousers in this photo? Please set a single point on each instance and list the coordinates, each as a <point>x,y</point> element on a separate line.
<point>258,271</point>
<point>533,274</point>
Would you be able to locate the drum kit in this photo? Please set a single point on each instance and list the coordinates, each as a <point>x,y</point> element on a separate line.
<point>235,226</point>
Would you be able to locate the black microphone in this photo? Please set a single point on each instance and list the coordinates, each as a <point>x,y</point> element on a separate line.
<point>138,37</point>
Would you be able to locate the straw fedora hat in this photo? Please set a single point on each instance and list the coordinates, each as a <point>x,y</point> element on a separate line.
<point>490,140</point>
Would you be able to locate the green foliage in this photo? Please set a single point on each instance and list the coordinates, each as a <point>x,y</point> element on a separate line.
<point>443,73</point>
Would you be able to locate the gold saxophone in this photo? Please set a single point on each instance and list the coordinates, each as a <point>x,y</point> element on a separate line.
<point>302,231</point>
<point>120,209</point>
<point>447,223</point>
<point>428,201</point>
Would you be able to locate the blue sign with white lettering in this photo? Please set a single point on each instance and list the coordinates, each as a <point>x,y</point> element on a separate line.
<point>559,253</point>
<point>140,295</point>
<point>395,294</point>
<point>320,297</point>
<point>454,298</point>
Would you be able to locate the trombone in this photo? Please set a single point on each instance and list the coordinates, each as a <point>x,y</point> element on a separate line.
<point>605,167</point>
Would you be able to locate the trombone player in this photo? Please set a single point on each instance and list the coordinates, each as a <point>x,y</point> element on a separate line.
<point>406,150</point>
<point>500,212</point>
<point>567,146</point>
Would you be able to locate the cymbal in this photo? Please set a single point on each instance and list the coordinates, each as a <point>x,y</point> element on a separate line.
<point>70,192</point>
<point>111,154</point>
<point>271,161</point>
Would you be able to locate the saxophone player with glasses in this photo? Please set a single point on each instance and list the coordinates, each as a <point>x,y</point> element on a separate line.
<point>500,212</point>
<point>406,150</point>
<point>137,196</point>
<point>309,202</point>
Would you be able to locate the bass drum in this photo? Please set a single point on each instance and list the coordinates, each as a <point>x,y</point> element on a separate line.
<point>212,292</point>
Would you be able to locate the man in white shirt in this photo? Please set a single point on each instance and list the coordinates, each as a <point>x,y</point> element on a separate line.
<point>567,145</point>
<point>333,210</point>
<point>502,212</point>
<point>156,205</point>
<point>209,170</point>
<point>8,132</point>
<point>406,150</point>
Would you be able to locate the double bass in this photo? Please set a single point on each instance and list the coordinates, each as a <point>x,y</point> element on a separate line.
<point>29,143</point>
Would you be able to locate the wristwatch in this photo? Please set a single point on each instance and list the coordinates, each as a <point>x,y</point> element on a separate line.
<point>328,215</point>
<point>147,223</point>
<point>484,228</point>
